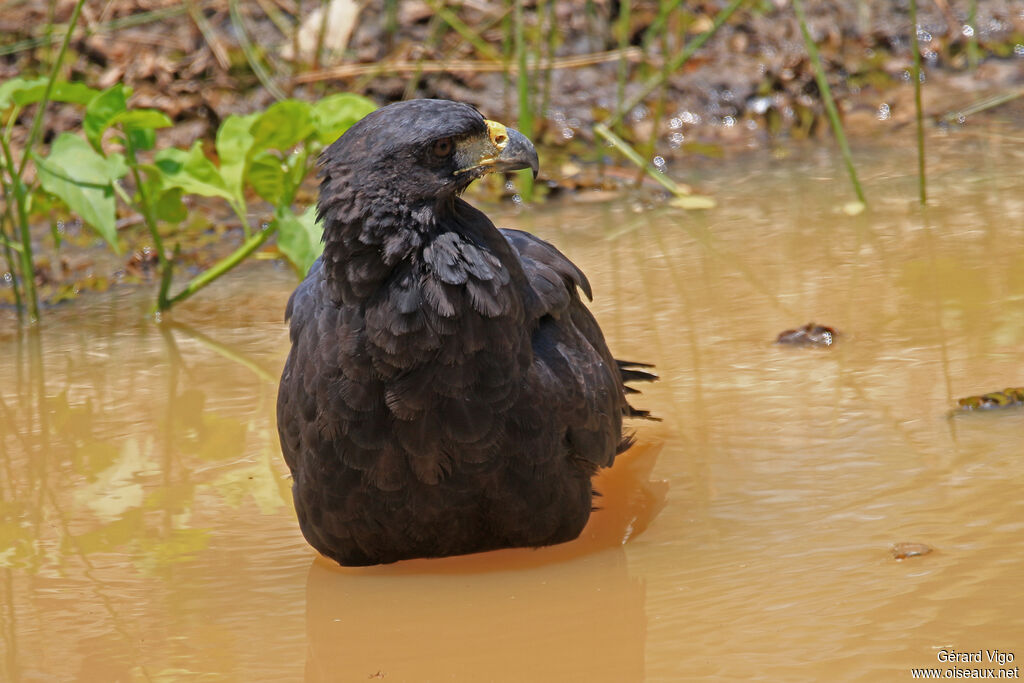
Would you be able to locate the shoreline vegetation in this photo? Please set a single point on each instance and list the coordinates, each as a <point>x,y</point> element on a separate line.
<point>119,119</point>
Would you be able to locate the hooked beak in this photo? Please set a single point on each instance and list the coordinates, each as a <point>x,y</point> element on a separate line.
<point>505,149</point>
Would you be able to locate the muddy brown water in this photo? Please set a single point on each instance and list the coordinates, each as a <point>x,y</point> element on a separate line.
<point>147,532</point>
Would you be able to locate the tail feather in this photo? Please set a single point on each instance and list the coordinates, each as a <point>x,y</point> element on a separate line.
<point>630,372</point>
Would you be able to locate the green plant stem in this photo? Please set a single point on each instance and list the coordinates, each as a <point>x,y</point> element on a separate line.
<point>915,72</point>
<point>166,266</point>
<point>973,53</point>
<point>673,64</point>
<point>223,266</point>
<point>37,121</point>
<point>826,97</point>
<point>523,90</point>
<point>10,247</point>
<point>239,208</point>
<point>658,27</point>
<point>622,28</point>
<point>28,280</point>
<point>549,41</point>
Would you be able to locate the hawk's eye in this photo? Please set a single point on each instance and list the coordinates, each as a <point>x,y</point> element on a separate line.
<point>443,147</point>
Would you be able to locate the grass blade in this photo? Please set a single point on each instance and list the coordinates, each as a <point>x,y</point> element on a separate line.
<point>250,52</point>
<point>916,75</point>
<point>523,91</point>
<point>973,53</point>
<point>686,198</point>
<point>826,97</point>
<point>673,64</point>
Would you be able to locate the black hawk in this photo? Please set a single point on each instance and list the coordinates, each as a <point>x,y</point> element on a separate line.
<point>446,392</point>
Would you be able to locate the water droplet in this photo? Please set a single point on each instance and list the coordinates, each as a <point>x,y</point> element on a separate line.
<point>729,121</point>
<point>675,123</point>
<point>883,112</point>
<point>1018,49</point>
<point>517,199</point>
<point>689,117</point>
<point>760,105</point>
<point>509,186</point>
<point>676,140</point>
<point>659,162</point>
<point>568,133</point>
<point>7,278</point>
<point>923,36</point>
<point>639,113</point>
<point>967,30</point>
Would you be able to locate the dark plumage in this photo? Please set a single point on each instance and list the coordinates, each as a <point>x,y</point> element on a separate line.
<point>447,392</point>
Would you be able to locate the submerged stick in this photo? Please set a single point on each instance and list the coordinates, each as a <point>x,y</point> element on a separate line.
<point>826,96</point>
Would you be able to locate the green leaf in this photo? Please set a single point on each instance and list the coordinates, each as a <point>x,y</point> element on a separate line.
<point>138,126</point>
<point>267,177</point>
<point>141,138</point>
<point>83,180</point>
<point>117,166</point>
<point>234,142</point>
<point>22,91</point>
<point>102,111</point>
<point>169,206</point>
<point>295,173</point>
<point>192,172</point>
<point>166,200</point>
<point>299,237</point>
<point>137,119</point>
<point>335,114</point>
<point>15,88</point>
<point>283,125</point>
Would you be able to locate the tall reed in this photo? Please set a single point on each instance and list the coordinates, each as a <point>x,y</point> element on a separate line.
<point>526,117</point>
<point>915,73</point>
<point>826,98</point>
